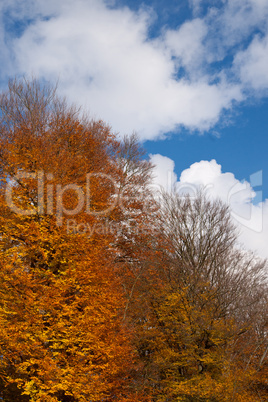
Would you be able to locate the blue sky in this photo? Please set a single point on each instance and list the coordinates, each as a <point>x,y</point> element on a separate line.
<point>190,77</point>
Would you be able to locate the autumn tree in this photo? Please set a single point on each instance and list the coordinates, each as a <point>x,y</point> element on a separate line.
<point>193,338</point>
<point>61,303</point>
<point>136,215</point>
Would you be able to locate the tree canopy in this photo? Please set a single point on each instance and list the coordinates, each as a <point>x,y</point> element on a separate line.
<point>108,293</point>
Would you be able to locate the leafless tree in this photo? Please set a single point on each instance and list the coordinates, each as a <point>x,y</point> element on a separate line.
<point>202,248</point>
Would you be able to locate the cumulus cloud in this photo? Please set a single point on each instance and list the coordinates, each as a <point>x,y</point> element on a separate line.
<point>105,59</point>
<point>248,211</point>
<point>164,176</point>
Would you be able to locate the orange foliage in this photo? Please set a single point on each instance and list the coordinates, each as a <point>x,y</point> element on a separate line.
<point>62,337</point>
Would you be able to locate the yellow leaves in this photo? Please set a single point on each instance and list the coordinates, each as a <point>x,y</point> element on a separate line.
<point>187,344</point>
<point>189,347</point>
<point>59,313</point>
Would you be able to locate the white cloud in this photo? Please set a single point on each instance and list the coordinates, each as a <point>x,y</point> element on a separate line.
<point>250,218</point>
<point>231,24</point>
<point>252,64</point>
<point>257,240</point>
<point>208,174</point>
<point>239,18</point>
<point>186,43</point>
<point>105,59</point>
<point>164,176</point>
